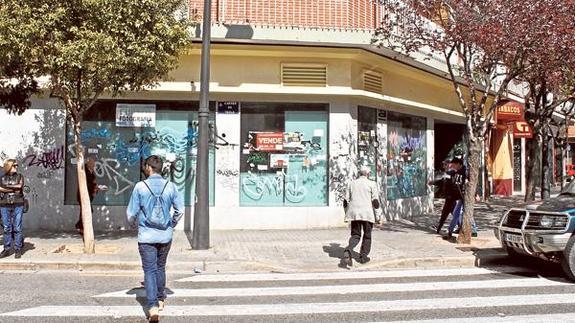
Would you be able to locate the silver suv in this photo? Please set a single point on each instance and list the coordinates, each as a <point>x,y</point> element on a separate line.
<point>544,230</point>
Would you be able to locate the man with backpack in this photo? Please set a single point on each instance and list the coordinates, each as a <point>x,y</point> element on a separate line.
<point>149,207</point>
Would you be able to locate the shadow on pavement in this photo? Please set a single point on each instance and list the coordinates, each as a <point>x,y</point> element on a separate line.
<point>27,247</point>
<point>107,235</point>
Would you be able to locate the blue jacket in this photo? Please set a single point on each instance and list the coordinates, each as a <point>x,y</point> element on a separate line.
<point>143,198</point>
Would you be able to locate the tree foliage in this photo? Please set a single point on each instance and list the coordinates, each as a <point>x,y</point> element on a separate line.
<point>83,49</point>
<point>484,44</point>
<point>550,86</point>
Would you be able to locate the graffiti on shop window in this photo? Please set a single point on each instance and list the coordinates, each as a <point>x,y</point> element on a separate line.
<point>256,187</point>
<point>109,168</point>
<point>406,164</point>
<point>283,168</point>
<point>51,159</point>
<point>95,133</point>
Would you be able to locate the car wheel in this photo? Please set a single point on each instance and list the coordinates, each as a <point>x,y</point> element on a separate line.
<point>568,260</point>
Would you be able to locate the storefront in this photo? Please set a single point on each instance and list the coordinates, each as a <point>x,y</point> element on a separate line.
<point>281,155</point>
<point>507,148</point>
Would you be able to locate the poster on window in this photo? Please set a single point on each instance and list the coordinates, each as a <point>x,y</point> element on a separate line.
<point>269,141</point>
<point>279,160</point>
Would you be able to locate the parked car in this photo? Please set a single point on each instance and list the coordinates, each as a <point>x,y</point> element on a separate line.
<point>545,230</point>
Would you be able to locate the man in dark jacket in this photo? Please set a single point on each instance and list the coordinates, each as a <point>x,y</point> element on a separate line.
<point>445,182</point>
<point>90,168</point>
<point>457,191</point>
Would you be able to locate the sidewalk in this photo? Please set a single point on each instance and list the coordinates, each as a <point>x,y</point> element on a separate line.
<point>399,244</point>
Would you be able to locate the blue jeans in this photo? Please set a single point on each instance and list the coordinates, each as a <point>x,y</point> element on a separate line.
<point>12,223</point>
<point>154,256</point>
<point>458,217</point>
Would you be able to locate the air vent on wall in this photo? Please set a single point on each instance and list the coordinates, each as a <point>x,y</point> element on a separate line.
<point>373,81</point>
<point>304,75</point>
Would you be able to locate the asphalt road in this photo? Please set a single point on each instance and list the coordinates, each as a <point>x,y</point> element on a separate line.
<point>502,293</point>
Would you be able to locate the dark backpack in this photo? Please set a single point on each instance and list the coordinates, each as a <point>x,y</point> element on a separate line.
<point>157,218</point>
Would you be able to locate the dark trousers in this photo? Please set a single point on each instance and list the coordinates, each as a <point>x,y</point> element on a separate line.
<point>356,227</point>
<point>154,257</point>
<point>448,207</point>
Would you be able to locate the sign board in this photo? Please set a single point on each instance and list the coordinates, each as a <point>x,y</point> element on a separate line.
<point>509,111</point>
<point>229,107</point>
<point>522,129</point>
<point>135,115</point>
<point>269,141</point>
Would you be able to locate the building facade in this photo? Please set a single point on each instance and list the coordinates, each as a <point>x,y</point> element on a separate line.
<point>294,112</point>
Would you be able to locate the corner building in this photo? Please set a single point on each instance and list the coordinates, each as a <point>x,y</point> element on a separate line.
<point>299,99</point>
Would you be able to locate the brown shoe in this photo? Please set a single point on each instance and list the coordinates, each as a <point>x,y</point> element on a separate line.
<point>153,314</point>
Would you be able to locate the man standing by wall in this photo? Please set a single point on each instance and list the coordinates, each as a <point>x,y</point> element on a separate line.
<point>93,188</point>
<point>361,204</point>
<point>150,205</point>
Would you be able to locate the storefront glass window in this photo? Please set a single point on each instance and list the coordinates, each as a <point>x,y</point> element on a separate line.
<point>119,152</point>
<point>284,154</point>
<point>406,156</point>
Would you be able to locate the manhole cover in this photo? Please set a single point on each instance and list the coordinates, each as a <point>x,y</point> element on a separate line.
<point>78,248</point>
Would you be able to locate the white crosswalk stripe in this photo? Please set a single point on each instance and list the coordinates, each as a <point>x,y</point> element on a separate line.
<point>377,293</point>
<point>547,318</point>
<point>350,289</point>
<point>347,275</point>
<point>305,308</point>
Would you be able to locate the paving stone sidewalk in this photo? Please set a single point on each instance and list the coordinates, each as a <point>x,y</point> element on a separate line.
<point>399,244</point>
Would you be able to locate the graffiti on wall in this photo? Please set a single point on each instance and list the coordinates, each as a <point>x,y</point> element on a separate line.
<point>50,159</point>
<point>342,166</point>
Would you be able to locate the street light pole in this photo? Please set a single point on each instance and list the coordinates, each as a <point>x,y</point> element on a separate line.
<point>201,233</point>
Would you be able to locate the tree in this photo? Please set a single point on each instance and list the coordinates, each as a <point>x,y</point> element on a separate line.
<point>551,85</point>
<point>88,48</point>
<point>484,44</point>
<point>17,81</point>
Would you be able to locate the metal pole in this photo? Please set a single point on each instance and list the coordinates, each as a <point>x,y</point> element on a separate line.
<point>201,233</point>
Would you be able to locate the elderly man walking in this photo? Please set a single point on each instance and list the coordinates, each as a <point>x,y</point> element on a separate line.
<point>150,206</point>
<point>363,210</point>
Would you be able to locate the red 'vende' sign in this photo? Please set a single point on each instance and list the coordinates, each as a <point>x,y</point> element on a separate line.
<point>269,141</point>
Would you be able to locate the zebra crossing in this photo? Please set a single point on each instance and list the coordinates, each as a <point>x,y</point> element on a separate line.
<point>499,294</point>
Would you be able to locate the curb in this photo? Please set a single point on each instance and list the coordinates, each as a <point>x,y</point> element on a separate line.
<point>246,266</point>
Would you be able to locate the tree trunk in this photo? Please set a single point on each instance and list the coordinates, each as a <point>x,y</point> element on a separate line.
<point>545,168</point>
<point>474,165</point>
<point>85,204</point>
<point>532,167</point>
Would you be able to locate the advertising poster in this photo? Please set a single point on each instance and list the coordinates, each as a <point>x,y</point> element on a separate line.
<point>279,160</point>
<point>269,141</point>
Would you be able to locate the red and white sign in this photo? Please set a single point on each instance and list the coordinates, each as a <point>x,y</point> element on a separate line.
<point>509,111</point>
<point>522,129</point>
<point>269,141</point>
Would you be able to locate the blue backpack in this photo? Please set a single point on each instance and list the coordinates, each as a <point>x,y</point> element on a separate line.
<point>157,218</point>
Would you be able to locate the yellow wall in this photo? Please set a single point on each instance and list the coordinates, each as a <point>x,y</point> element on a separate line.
<point>503,162</point>
<point>255,67</point>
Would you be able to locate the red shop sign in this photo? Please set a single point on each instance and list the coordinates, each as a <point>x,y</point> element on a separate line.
<point>522,129</point>
<point>509,111</point>
<point>269,141</point>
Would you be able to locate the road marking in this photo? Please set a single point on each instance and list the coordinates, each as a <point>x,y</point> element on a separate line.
<point>348,289</point>
<point>350,275</point>
<point>536,318</point>
<point>303,308</point>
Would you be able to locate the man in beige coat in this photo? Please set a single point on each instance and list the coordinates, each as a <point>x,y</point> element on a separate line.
<point>363,210</point>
